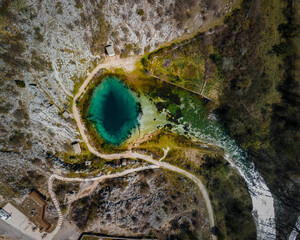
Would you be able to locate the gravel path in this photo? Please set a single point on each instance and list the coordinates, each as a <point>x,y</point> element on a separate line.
<point>95,179</point>
<point>129,65</point>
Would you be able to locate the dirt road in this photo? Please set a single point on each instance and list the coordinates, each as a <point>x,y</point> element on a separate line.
<point>129,64</point>
<point>96,180</point>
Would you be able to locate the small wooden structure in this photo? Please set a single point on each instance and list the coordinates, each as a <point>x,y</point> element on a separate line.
<point>66,114</point>
<point>88,163</point>
<point>76,147</point>
<point>110,50</point>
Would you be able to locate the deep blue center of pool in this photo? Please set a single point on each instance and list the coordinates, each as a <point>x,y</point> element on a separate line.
<point>113,110</point>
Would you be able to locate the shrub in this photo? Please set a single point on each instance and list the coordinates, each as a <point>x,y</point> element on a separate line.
<point>20,83</point>
<point>79,5</point>
<point>140,12</point>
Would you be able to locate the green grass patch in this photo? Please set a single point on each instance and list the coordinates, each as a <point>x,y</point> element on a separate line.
<point>20,83</point>
<point>140,12</point>
<point>185,70</point>
<point>90,238</point>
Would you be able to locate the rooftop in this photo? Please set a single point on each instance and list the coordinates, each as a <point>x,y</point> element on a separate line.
<point>76,147</point>
<point>39,218</point>
<point>66,114</point>
<point>110,50</point>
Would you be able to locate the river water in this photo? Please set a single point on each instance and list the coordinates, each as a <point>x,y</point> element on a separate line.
<point>208,129</point>
<point>262,200</point>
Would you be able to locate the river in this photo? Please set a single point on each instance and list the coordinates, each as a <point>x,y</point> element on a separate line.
<point>206,127</point>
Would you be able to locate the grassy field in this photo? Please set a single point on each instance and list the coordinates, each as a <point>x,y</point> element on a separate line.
<point>90,238</point>
<point>272,10</point>
<point>186,70</point>
<point>189,65</point>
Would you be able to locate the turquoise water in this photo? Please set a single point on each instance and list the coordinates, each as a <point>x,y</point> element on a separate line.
<point>113,110</point>
<point>208,128</point>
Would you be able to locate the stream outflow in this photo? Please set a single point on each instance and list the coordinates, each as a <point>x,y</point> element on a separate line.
<point>262,200</point>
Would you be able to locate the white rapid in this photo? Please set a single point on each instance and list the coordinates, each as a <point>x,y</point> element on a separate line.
<point>262,200</point>
<point>295,231</point>
<point>209,130</point>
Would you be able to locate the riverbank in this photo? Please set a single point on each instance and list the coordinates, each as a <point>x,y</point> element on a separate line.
<point>127,154</point>
<point>149,119</point>
<point>131,154</point>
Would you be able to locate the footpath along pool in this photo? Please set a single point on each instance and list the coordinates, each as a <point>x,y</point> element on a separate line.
<point>114,112</point>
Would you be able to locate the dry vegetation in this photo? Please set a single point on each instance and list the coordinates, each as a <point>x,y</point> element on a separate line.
<point>151,203</point>
<point>227,190</point>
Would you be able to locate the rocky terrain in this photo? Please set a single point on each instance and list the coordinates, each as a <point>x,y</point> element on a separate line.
<point>151,203</point>
<point>47,50</point>
<point>48,47</point>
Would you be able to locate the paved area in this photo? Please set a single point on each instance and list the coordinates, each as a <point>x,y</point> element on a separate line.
<point>102,237</point>
<point>68,231</point>
<point>21,222</point>
<point>7,231</point>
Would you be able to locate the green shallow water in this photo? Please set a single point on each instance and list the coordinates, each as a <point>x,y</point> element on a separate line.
<point>113,110</point>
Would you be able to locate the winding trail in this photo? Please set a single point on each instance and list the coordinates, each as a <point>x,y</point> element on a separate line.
<point>129,65</point>
<point>112,62</point>
<point>96,180</point>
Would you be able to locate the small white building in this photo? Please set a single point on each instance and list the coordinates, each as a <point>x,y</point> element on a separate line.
<point>124,162</point>
<point>110,50</point>
<point>66,114</point>
<point>88,163</point>
<point>76,147</point>
<point>4,215</point>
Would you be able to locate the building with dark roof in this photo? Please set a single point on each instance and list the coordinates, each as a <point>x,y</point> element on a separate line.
<point>39,217</point>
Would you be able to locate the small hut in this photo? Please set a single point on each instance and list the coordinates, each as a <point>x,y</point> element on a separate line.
<point>88,163</point>
<point>66,114</point>
<point>110,50</point>
<point>76,147</point>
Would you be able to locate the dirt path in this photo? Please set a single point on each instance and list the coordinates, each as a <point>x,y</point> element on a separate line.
<point>96,180</point>
<point>174,84</point>
<point>129,65</point>
<point>112,62</point>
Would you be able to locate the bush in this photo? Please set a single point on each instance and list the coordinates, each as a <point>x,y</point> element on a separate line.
<point>20,83</point>
<point>78,5</point>
<point>140,12</point>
